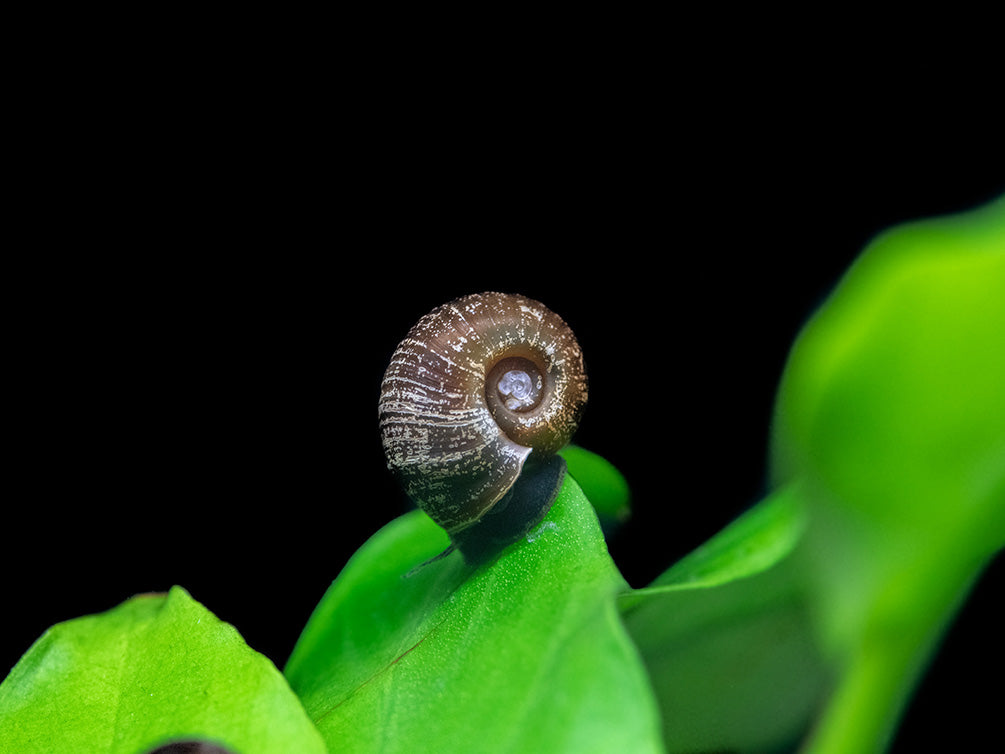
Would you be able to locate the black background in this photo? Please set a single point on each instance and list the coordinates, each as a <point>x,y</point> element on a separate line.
<point>215,276</point>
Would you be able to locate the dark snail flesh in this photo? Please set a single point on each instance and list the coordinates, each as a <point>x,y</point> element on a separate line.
<point>477,400</point>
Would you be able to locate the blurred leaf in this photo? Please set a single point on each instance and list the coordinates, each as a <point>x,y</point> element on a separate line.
<point>523,654</point>
<point>891,418</point>
<point>893,399</point>
<point>727,640</point>
<point>603,485</point>
<point>154,669</point>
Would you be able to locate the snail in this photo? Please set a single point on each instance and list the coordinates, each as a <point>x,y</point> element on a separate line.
<point>474,405</point>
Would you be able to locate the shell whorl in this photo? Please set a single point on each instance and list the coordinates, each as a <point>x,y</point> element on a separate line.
<point>454,441</point>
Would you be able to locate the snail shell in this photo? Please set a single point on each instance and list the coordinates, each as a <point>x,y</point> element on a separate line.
<point>477,387</point>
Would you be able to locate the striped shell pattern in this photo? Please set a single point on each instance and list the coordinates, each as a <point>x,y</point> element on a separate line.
<point>476,386</point>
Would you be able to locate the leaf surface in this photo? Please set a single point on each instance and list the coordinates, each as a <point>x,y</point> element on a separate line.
<point>525,653</point>
<point>157,668</point>
<point>727,639</point>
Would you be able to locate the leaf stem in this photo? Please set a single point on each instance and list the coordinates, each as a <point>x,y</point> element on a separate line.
<point>892,653</point>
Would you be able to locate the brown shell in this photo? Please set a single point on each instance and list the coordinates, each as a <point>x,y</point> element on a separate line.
<point>439,434</point>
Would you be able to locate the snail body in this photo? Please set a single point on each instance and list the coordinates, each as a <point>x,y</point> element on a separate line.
<point>479,391</point>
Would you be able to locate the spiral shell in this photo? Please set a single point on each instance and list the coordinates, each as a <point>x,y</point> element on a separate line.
<point>476,387</point>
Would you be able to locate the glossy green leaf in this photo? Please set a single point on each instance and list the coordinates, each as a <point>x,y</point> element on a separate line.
<point>523,654</point>
<point>726,637</point>
<point>155,669</point>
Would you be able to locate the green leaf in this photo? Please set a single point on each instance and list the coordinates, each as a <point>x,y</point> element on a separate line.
<point>753,543</point>
<point>602,483</point>
<point>727,640</point>
<point>891,418</point>
<point>893,399</point>
<point>522,654</point>
<point>157,668</point>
